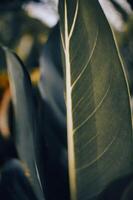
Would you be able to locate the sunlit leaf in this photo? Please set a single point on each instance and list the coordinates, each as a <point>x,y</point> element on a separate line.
<point>98,110</point>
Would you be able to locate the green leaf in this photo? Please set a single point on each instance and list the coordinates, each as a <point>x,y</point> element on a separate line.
<point>25,116</point>
<point>97,98</point>
<point>52,121</point>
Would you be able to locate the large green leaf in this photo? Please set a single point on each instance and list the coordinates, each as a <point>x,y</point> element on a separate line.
<point>25,116</point>
<point>98,109</point>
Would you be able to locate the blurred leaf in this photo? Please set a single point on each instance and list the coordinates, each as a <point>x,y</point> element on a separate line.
<point>126,46</point>
<point>98,110</point>
<point>3,81</point>
<point>4,114</point>
<point>52,120</point>
<point>122,12</point>
<point>131,3</point>
<point>7,5</point>
<point>3,76</point>
<point>7,150</point>
<point>25,115</point>
<point>14,184</point>
<point>128,192</point>
<point>25,36</point>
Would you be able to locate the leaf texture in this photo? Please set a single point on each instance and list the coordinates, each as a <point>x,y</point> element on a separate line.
<point>97,99</point>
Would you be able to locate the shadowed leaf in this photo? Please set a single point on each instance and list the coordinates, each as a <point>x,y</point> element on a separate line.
<point>25,116</point>
<point>52,120</point>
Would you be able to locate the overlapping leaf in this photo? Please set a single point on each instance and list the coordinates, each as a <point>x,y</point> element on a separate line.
<point>52,120</point>
<point>25,116</point>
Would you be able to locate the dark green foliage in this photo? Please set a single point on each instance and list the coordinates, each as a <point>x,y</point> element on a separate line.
<point>12,33</point>
<point>14,184</point>
<point>26,131</point>
<point>7,150</point>
<point>45,131</point>
<point>52,121</point>
<point>2,60</point>
<point>96,137</point>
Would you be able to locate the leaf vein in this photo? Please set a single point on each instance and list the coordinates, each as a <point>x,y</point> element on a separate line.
<point>88,61</point>
<point>74,20</point>
<point>94,111</point>
<point>98,157</point>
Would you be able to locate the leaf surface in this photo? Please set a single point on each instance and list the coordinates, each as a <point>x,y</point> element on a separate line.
<point>52,120</point>
<point>25,116</point>
<point>97,98</point>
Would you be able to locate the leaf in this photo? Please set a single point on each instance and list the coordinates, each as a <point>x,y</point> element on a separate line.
<point>14,184</point>
<point>2,61</point>
<point>117,188</point>
<point>51,83</point>
<point>97,99</point>
<point>52,121</point>
<point>25,116</point>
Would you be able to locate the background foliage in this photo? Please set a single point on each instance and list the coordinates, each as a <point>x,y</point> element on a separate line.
<point>27,36</point>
